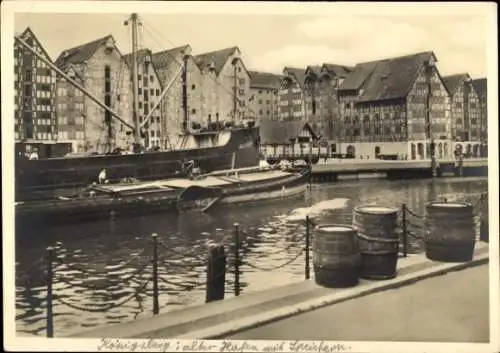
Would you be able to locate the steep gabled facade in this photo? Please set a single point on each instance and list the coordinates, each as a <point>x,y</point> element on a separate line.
<point>148,91</point>
<point>321,95</point>
<point>169,65</point>
<point>292,99</point>
<point>226,86</point>
<point>465,107</point>
<point>480,86</point>
<point>35,118</point>
<point>105,74</point>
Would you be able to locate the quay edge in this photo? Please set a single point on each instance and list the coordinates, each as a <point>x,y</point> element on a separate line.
<point>341,169</point>
<point>217,319</point>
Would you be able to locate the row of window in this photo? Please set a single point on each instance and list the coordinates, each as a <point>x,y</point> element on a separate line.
<point>79,120</point>
<point>76,106</point>
<point>62,92</point>
<point>70,135</point>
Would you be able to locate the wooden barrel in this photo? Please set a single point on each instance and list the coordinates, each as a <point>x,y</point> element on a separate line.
<point>450,231</point>
<point>378,240</point>
<point>336,256</point>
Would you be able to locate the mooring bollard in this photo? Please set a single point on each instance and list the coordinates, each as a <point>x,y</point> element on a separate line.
<point>405,235</point>
<point>50,318</point>
<point>308,239</point>
<point>156,306</point>
<point>216,272</point>
<point>236,259</point>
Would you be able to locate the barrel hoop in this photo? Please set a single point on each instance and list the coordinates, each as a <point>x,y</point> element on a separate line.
<point>379,240</point>
<point>450,245</point>
<point>379,252</point>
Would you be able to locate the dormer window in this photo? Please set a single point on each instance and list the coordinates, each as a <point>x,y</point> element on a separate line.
<point>110,44</point>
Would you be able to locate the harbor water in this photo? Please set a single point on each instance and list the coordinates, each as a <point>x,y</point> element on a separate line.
<point>99,264</point>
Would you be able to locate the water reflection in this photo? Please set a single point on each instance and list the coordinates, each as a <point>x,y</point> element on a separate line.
<point>103,253</point>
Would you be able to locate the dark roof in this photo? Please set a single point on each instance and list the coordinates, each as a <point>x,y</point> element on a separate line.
<point>452,82</point>
<point>264,80</point>
<point>337,70</point>
<point>315,69</point>
<point>385,79</point>
<point>280,132</point>
<point>165,58</point>
<point>31,34</point>
<point>80,53</point>
<point>217,57</point>
<point>481,87</point>
<point>298,74</point>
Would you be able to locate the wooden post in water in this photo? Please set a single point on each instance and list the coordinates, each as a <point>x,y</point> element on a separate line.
<point>50,318</point>
<point>156,307</point>
<point>216,272</point>
<point>308,238</point>
<point>405,236</point>
<point>236,259</point>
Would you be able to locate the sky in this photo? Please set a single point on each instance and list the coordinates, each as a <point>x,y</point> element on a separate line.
<point>271,41</point>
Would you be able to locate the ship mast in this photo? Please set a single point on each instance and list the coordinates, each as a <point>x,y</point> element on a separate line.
<point>184,94</point>
<point>135,111</point>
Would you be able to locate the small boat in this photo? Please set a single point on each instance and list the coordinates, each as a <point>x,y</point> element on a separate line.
<point>202,193</point>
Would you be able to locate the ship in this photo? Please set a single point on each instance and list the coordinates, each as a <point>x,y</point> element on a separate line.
<point>215,147</point>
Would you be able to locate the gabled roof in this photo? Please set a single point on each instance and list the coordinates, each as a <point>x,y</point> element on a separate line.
<point>481,87</point>
<point>81,53</point>
<point>28,32</point>
<point>386,79</point>
<point>313,69</point>
<point>218,58</point>
<point>452,82</point>
<point>264,80</point>
<point>299,75</point>
<point>280,132</point>
<point>165,58</point>
<point>337,70</point>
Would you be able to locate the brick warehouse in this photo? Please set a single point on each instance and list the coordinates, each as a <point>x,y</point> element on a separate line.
<point>264,101</point>
<point>321,95</point>
<point>106,75</point>
<point>384,108</point>
<point>224,76</point>
<point>292,104</point>
<point>351,107</point>
<point>148,91</point>
<point>480,85</point>
<point>465,113</point>
<point>35,120</point>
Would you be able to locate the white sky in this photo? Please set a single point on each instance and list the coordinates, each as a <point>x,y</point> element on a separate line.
<point>333,33</point>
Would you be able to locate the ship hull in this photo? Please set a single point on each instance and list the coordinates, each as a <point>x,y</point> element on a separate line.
<point>174,196</point>
<point>38,179</point>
